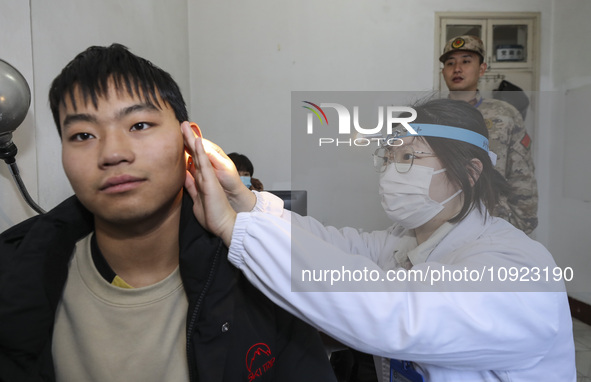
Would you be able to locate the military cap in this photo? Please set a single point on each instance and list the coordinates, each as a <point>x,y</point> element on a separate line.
<point>463,43</point>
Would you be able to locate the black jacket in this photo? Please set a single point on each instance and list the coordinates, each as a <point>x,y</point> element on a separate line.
<point>234,333</point>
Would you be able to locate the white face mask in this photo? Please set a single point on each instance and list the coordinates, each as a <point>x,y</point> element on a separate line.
<point>405,197</point>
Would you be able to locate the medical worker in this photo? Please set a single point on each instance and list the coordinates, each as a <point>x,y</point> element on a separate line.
<point>450,293</point>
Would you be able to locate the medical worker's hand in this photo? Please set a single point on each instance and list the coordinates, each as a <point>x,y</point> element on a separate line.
<point>210,204</point>
<point>240,197</point>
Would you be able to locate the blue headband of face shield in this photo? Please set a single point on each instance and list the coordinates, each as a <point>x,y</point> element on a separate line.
<point>450,132</point>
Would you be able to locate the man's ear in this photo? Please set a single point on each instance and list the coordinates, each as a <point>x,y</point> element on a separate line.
<point>188,157</point>
<point>474,170</point>
<point>482,69</point>
<point>196,129</point>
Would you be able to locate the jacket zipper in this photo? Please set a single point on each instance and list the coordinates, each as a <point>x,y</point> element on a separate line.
<point>190,357</point>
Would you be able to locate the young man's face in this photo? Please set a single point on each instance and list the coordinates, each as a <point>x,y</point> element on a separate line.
<point>124,159</point>
<point>461,71</point>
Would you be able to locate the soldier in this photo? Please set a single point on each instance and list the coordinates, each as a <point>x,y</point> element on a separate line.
<point>463,65</point>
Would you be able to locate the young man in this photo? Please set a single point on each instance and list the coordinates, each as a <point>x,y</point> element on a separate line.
<point>120,282</point>
<point>463,65</point>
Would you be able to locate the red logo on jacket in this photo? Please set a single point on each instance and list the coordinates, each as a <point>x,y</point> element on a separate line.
<point>258,360</point>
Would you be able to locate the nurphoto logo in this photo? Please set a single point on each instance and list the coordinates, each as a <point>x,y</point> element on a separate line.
<point>366,136</point>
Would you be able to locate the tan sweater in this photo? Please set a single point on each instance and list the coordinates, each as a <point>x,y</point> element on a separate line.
<point>106,333</point>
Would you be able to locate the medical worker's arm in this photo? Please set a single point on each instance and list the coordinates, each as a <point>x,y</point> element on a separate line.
<point>479,331</point>
<point>396,319</point>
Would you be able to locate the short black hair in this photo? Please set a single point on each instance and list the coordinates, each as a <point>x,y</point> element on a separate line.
<point>242,163</point>
<point>91,70</point>
<point>456,156</point>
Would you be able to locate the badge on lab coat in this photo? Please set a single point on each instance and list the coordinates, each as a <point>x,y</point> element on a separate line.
<point>404,371</point>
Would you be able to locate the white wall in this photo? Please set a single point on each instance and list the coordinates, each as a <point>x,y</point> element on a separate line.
<point>246,58</point>
<point>569,218</point>
<point>41,40</point>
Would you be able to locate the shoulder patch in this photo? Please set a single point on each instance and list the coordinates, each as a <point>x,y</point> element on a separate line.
<point>526,141</point>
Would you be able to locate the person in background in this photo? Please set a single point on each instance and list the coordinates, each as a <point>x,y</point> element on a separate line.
<point>120,282</point>
<point>439,187</point>
<point>246,171</point>
<point>463,65</point>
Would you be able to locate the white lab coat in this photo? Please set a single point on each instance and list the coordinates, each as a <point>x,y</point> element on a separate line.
<point>454,331</point>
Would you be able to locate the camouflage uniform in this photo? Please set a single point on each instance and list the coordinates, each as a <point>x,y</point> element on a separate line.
<point>510,141</point>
